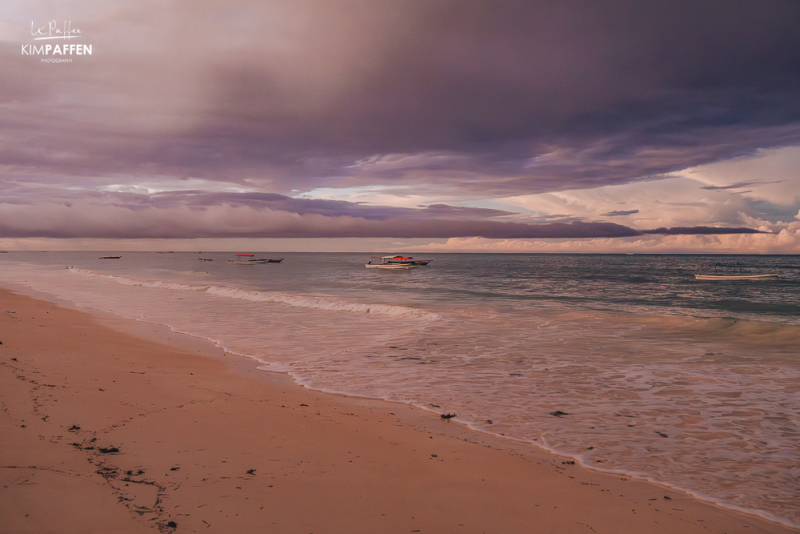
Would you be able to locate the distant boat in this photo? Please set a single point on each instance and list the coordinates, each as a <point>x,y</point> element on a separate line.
<point>110,257</point>
<point>408,259</point>
<point>204,259</point>
<point>250,261</point>
<point>733,272</point>
<point>389,262</point>
<point>736,276</point>
<point>275,261</point>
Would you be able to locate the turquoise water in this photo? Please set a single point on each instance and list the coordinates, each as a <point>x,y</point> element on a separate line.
<point>691,384</point>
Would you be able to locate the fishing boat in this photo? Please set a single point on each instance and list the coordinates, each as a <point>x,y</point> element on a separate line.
<point>733,272</point>
<point>389,262</point>
<point>275,261</point>
<point>736,277</point>
<point>408,259</point>
<point>247,259</point>
<point>110,257</point>
<point>420,262</point>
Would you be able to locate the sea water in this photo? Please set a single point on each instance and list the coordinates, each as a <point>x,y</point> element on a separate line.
<point>625,363</point>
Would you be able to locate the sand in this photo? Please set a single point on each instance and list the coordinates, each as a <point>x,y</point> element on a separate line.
<point>116,426</point>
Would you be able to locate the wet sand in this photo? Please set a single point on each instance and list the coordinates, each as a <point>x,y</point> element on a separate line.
<point>110,425</point>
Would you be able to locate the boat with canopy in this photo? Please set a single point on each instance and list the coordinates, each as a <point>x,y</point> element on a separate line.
<point>390,262</point>
<point>247,259</point>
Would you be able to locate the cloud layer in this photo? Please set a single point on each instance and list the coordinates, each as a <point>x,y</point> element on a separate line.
<point>213,119</point>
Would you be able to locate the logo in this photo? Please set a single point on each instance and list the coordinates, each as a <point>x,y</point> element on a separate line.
<point>60,50</point>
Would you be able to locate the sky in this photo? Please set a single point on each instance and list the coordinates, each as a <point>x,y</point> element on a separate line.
<point>401,125</point>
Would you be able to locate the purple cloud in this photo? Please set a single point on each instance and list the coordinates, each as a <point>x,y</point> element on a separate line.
<point>737,185</point>
<point>504,98</point>
<point>213,120</point>
<point>702,230</point>
<point>303,218</point>
<point>618,213</point>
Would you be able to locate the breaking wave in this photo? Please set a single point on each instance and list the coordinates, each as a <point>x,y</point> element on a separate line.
<point>300,301</point>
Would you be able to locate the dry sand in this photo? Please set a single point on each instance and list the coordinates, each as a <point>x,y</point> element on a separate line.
<point>114,426</point>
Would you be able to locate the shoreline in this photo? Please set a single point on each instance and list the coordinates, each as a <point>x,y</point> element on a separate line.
<point>411,471</point>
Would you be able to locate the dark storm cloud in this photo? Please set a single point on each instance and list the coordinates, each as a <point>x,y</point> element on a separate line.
<point>494,98</point>
<point>701,230</point>
<point>620,213</point>
<point>738,185</point>
<point>456,99</point>
<point>620,90</point>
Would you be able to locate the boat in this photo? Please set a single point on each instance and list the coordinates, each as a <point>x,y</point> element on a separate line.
<point>275,261</point>
<point>733,272</point>
<point>110,257</point>
<point>389,262</point>
<point>204,259</point>
<point>736,277</point>
<point>408,259</point>
<point>249,261</point>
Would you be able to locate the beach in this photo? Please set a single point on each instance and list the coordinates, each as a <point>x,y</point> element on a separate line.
<point>110,425</point>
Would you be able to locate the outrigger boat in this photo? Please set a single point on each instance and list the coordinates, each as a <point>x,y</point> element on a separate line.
<point>250,261</point>
<point>389,262</point>
<point>395,262</point>
<point>409,259</point>
<point>735,273</point>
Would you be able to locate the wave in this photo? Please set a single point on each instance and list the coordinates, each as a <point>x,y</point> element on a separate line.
<point>325,303</point>
<point>729,329</point>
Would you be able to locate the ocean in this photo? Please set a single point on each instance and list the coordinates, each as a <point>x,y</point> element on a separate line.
<point>625,363</point>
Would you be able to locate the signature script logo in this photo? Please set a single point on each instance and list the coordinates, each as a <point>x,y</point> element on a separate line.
<point>51,30</point>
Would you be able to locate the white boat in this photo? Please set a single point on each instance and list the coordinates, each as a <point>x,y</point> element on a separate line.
<point>249,261</point>
<point>389,262</point>
<point>409,259</point>
<point>736,276</point>
<point>734,272</point>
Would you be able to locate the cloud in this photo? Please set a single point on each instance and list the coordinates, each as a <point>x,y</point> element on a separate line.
<point>737,185</point>
<point>274,216</point>
<point>518,120</point>
<point>620,213</point>
<point>504,99</point>
<point>785,242</point>
<point>702,230</point>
